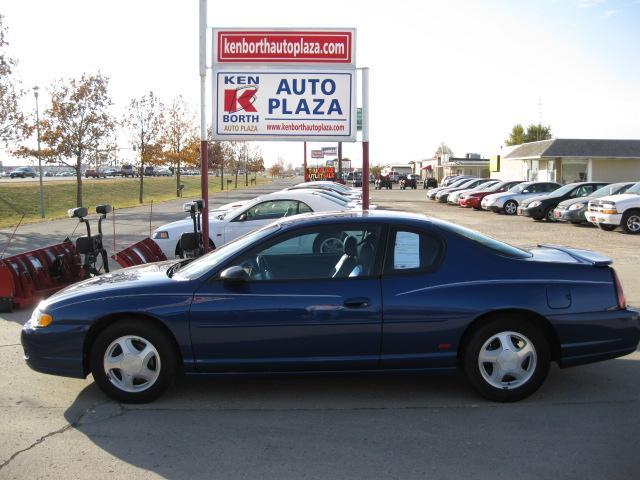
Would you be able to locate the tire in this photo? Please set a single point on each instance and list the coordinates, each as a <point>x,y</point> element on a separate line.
<point>510,207</point>
<point>631,222</point>
<point>534,363</point>
<point>548,215</point>
<point>328,243</point>
<point>606,227</point>
<point>161,362</point>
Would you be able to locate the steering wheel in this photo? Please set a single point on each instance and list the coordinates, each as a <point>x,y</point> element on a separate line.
<point>263,268</point>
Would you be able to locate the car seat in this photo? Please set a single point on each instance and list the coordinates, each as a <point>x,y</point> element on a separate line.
<point>349,260</point>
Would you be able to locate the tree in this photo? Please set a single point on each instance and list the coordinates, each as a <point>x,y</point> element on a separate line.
<point>443,149</point>
<point>11,118</point>
<point>534,133</point>
<point>145,124</point>
<point>375,170</point>
<point>77,124</point>
<point>179,132</point>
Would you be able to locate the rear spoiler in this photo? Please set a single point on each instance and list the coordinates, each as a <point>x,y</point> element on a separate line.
<point>582,256</point>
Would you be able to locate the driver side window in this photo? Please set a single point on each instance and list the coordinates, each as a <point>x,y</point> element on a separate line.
<point>271,209</point>
<point>321,253</point>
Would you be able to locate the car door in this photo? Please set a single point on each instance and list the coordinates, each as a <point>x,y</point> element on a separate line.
<point>414,311</point>
<point>257,216</point>
<point>302,307</point>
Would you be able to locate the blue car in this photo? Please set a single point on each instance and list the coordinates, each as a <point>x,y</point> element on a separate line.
<point>360,292</point>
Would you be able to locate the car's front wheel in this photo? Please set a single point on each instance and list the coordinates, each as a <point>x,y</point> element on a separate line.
<point>510,207</point>
<point>507,360</point>
<point>133,361</point>
<point>631,222</point>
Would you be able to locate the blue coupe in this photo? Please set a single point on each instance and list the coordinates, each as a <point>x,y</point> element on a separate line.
<point>361,292</point>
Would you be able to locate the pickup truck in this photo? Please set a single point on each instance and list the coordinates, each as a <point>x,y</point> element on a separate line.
<point>95,173</point>
<point>617,210</point>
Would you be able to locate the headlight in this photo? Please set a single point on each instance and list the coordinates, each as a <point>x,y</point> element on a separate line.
<point>39,319</point>
<point>609,208</point>
<point>161,234</point>
<point>534,204</point>
<point>576,206</point>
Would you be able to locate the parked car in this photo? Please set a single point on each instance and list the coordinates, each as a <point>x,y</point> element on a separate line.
<point>4,173</point>
<point>450,179</point>
<point>431,194</point>
<point>443,194</point>
<point>251,216</point>
<point>348,193</point>
<point>540,208</point>
<point>128,170</point>
<point>429,183</point>
<point>95,173</point>
<point>617,210</point>
<point>162,172</point>
<point>383,181</point>
<point>453,197</point>
<point>508,201</point>
<point>574,209</point>
<point>473,199</point>
<point>149,171</point>
<point>408,181</point>
<point>314,310</point>
<point>111,172</point>
<point>23,172</point>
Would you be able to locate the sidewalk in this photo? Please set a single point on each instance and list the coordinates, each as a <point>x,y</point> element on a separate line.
<point>131,224</point>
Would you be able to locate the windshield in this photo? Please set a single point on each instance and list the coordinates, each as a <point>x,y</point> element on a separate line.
<point>488,242</point>
<point>496,187</point>
<point>458,183</point>
<point>333,198</point>
<point>484,185</point>
<point>518,188</point>
<point>635,189</point>
<point>204,264</point>
<point>614,189</point>
<point>564,189</point>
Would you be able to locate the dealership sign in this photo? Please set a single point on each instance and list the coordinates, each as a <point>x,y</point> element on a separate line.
<point>330,151</point>
<point>284,84</point>
<point>302,46</point>
<point>284,104</point>
<point>321,173</point>
<point>317,154</point>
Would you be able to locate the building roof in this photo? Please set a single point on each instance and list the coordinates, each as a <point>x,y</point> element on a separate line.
<point>576,147</point>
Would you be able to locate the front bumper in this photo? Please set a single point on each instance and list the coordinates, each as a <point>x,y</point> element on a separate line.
<point>56,350</point>
<point>473,202</point>
<point>532,212</point>
<point>495,208</point>
<point>606,218</point>
<point>573,216</point>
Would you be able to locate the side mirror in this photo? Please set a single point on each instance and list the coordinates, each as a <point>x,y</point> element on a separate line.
<point>79,212</point>
<point>234,275</point>
<point>526,191</point>
<point>242,217</point>
<point>103,209</point>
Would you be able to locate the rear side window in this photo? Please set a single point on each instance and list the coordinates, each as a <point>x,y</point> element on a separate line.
<point>412,251</point>
<point>488,242</point>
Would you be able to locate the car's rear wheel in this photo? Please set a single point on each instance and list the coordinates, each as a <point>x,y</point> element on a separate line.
<point>511,207</point>
<point>606,227</point>
<point>133,361</point>
<point>631,222</point>
<point>507,360</point>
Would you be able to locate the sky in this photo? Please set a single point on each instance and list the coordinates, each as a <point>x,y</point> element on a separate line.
<point>460,72</point>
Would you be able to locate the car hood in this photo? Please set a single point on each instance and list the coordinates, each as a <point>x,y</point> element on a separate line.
<point>620,198</point>
<point>571,201</point>
<point>538,198</point>
<point>108,284</point>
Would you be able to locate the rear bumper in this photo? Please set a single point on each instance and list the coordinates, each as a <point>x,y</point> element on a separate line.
<point>592,337</point>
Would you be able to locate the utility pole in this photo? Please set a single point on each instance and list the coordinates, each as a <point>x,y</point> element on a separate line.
<point>204,158</point>
<point>339,160</point>
<point>365,138</point>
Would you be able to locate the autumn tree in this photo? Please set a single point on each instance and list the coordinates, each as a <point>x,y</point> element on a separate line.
<point>217,154</point>
<point>11,118</point>
<point>178,134</point>
<point>145,121</point>
<point>77,124</point>
<point>534,133</point>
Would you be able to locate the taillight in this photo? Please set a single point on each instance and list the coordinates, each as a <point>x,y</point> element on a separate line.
<point>622,302</point>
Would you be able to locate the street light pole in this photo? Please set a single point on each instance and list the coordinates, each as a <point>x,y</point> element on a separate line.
<point>35,94</point>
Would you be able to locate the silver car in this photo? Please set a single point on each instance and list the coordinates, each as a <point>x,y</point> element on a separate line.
<point>453,198</point>
<point>508,201</point>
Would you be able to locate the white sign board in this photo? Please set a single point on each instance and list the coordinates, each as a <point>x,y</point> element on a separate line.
<point>284,104</point>
<point>330,150</point>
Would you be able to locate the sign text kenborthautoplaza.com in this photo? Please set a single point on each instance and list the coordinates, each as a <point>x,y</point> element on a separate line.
<point>257,97</point>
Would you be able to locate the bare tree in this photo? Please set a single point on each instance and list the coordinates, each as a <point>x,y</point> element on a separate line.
<point>145,124</point>
<point>178,134</point>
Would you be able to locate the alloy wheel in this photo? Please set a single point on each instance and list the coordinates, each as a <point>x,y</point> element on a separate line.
<point>507,360</point>
<point>131,363</point>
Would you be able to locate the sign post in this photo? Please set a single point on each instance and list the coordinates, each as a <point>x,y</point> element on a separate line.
<point>204,158</point>
<point>365,138</point>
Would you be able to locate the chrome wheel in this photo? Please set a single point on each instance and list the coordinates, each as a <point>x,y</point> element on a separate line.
<point>633,223</point>
<point>507,360</point>
<point>331,245</point>
<point>131,363</point>
<point>510,208</point>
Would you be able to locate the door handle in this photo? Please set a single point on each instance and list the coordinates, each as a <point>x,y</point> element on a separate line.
<point>358,302</point>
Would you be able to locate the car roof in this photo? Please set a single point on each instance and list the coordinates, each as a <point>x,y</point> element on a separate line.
<point>383,216</point>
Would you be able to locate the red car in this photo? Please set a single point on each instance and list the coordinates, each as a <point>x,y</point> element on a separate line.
<point>473,199</point>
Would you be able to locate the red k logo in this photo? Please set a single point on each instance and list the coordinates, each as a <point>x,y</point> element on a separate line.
<point>241,98</point>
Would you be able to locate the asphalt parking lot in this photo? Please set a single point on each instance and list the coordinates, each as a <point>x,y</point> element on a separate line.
<point>583,423</point>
